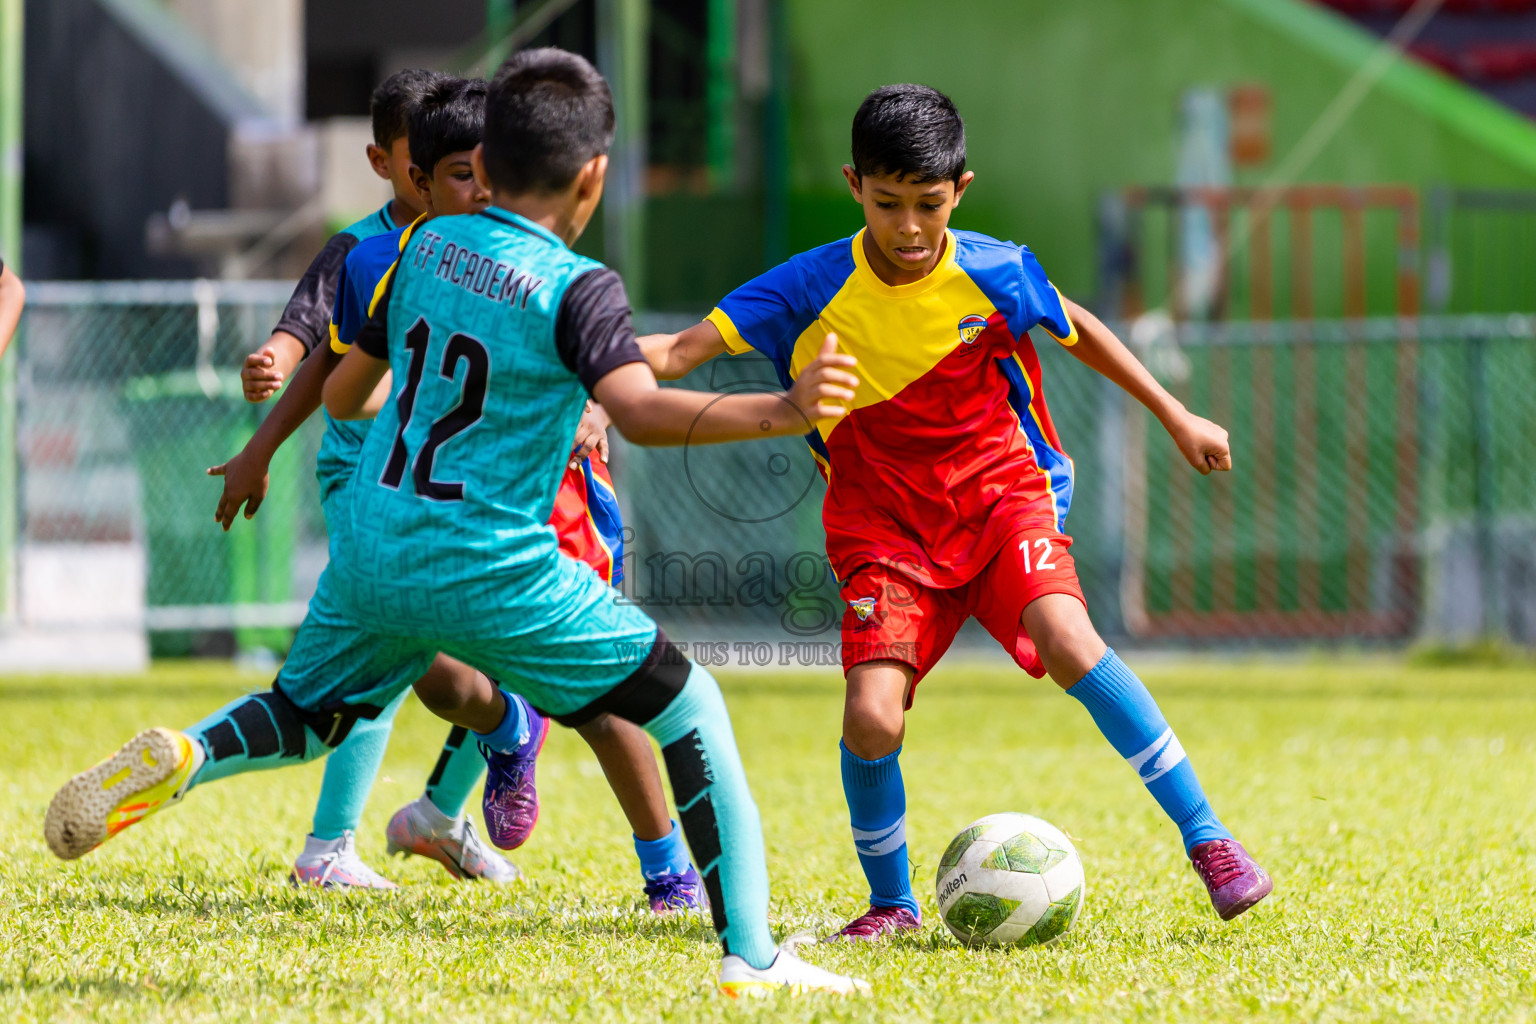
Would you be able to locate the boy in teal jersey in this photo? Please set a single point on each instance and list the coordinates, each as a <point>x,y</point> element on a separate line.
<point>337,688</point>
<point>496,332</point>
<point>445,128</point>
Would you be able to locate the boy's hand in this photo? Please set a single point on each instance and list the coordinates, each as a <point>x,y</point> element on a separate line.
<point>245,483</point>
<point>824,385</point>
<point>260,376</point>
<point>591,435</point>
<point>1203,443</point>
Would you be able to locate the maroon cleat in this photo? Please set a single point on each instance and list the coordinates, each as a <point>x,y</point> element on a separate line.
<point>1234,879</point>
<point>875,923</point>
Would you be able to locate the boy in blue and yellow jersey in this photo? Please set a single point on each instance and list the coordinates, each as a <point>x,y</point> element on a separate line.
<point>586,520</point>
<point>947,485</point>
<point>305,323</point>
<point>495,333</point>
<point>337,689</point>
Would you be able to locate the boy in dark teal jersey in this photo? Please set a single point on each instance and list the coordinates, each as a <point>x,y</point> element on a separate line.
<point>496,332</point>
<point>337,688</point>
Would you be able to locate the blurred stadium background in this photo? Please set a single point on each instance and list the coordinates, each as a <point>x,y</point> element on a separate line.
<point>1323,242</point>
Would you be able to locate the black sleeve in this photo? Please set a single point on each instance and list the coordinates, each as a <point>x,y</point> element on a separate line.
<point>373,337</point>
<point>308,314</point>
<point>593,332</point>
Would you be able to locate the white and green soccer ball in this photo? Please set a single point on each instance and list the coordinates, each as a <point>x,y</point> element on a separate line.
<point>1010,879</point>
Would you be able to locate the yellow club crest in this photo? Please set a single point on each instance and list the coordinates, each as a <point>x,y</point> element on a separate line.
<point>862,607</point>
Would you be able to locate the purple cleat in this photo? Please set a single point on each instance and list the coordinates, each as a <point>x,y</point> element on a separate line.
<point>511,801</point>
<point>1234,879</point>
<point>876,923</point>
<point>670,894</point>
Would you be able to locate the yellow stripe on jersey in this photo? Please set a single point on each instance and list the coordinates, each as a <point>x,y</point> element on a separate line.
<point>337,345</point>
<point>735,344</point>
<point>898,333</point>
<point>1071,338</point>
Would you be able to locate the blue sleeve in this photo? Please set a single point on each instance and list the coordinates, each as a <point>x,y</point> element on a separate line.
<point>351,309</point>
<point>767,314</point>
<point>1040,301</point>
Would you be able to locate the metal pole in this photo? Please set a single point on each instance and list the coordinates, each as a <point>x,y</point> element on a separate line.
<point>498,19</point>
<point>720,93</point>
<point>623,35</point>
<point>776,138</point>
<point>11,133</point>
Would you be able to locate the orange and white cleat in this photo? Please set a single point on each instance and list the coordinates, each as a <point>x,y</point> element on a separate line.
<point>149,772</point>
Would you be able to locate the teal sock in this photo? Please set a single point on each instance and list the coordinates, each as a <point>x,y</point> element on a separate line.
<point>718,816</point>
<point>254,733</point>
<point>665,856</point>
<point>350,771</point>
<point>456,774</point>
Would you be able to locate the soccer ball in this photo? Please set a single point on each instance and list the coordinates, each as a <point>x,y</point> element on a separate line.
<point>1010,879</point>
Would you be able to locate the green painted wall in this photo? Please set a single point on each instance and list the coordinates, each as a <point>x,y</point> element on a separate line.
<point>1065,100</point>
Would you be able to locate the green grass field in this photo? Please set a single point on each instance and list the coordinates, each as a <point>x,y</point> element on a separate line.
<point>1395,806</point>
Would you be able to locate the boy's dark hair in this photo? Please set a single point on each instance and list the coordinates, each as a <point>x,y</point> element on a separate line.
<point>391,104</point>
<point>547,114</point>
<point>912,132</point>
<point>449,119</point>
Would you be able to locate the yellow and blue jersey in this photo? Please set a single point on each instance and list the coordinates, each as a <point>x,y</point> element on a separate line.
<point>948,447</point>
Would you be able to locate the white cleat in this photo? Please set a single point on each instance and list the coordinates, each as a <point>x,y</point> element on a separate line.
<point>334,864</point>
<point>422,829</point>
<point>740,980</point>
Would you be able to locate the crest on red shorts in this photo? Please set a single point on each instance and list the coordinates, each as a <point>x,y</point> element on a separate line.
<point>862,607</point>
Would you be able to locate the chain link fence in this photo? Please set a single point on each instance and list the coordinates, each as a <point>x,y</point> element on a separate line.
<point>1383,489</point>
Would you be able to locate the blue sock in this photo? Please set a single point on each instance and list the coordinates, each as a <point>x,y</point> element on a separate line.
<point>665,856</point>
<point>877,809</point>
<point>1129,718</point>
<point>520,725</point>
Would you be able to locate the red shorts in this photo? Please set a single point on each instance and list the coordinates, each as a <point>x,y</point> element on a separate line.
<point>892,617</point>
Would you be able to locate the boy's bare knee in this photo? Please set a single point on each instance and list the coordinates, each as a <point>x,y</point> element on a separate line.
<point>1064,636</point>
<point>599,729</point>
<point>874,711</point>
<point>447,686</point>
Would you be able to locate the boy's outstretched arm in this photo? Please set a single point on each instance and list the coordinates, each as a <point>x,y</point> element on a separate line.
<point>245,475</point>
<point>673,355</point>
<point>13,296</point>
<point>1203,443</point>
<point>649,415</point>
